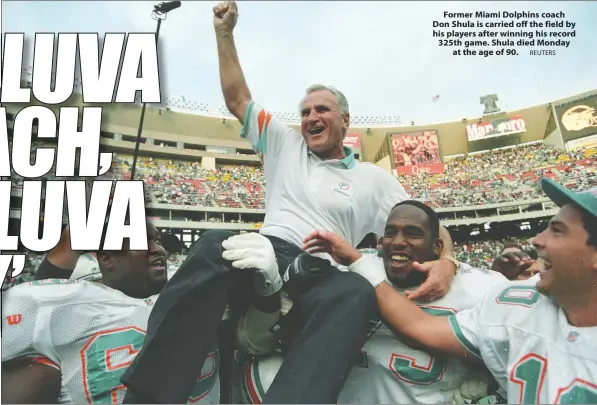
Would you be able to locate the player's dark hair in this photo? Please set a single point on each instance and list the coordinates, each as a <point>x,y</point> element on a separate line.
<point>432,216</point>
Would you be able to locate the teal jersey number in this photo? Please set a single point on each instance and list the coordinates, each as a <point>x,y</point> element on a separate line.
<point>529,374</point>
<point>107,355</point>
<point>579,392</point>
<point>405,368</point>
<point>524,296</point>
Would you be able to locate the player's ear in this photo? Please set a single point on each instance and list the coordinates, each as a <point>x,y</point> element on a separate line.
<point>106,260</point>
<point>346,120</point>
<point>438,246</point>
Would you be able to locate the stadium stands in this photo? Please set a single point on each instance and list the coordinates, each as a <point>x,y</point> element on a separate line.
<point>502,175</point>
<point>485,178</point>
<point>495,176</point>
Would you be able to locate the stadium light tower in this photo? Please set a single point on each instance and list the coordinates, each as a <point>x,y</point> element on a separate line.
<point>160,11</point>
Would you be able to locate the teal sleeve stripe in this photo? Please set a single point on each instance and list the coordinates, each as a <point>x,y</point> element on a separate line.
<point>244,132</point>
<point>461,338</point>
<point>262,143</point>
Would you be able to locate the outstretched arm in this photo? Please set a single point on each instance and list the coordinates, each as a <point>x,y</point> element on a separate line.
<point>60,261</point>
<point>235,89</point>
<point>432,332</point>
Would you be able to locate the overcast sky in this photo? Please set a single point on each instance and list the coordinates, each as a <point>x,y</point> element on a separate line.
<point>380,54</point>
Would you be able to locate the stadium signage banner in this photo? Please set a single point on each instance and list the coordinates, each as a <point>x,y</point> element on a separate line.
<point>416,152</point>
<point>498,127</point>
<point>352,140</point>
<point>578,119</point>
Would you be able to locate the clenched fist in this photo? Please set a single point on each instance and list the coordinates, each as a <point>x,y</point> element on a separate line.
<point>225,16</point>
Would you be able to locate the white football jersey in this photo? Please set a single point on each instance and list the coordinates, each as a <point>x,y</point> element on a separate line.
<point>90,332</point>
<point>526,342</point>
<point>390,371</point>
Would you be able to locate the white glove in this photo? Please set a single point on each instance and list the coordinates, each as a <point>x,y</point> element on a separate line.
<point>371,268</point>
<point>255,251</point>
<point>471,389</point>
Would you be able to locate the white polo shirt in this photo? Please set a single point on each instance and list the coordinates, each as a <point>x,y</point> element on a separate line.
<point>305,193</point>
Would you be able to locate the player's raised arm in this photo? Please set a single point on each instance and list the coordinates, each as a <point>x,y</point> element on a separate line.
<point>60,262</point>
<point>235,89</point>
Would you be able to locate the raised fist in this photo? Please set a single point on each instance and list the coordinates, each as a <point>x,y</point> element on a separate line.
<point>225,15</point>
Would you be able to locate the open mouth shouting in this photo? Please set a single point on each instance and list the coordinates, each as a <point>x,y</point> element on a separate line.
<point>398,259</point>
<point>316,130</point>
<point>158,263</point>
<point>543,264</point>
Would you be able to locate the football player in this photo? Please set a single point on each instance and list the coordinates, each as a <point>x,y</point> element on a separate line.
<point>390,370</point>
<point>538,339</point>
<point>69,341</point>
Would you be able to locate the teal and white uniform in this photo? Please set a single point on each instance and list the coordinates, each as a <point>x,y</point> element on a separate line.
<point>526,342</point>
<point>90,332</point>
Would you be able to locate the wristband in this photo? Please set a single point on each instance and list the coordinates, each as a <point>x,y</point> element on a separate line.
<point>455,262</point>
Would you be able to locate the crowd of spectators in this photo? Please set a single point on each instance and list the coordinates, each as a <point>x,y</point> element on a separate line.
<point>482,253</point>
<point>480,179</point>
<point>502,175</point>
<point>187,183</point>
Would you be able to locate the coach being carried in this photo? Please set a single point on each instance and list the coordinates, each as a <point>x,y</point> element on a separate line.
<point>313,183</point>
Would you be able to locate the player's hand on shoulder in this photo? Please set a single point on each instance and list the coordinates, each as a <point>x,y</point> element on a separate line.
<point>254,251</point>
<point>439,279</point>
<point>225,16</point>
<point>333,244</point>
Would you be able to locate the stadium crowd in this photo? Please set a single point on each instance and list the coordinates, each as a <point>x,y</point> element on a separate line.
<point>496,176</point>
<point>184,183</point>
<point>482,253</point>
<point>504,175</point>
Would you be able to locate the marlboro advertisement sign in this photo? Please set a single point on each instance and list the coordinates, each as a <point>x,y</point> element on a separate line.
<point>497,127</point>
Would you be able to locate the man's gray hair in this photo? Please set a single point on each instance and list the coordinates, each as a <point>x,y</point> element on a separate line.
<point>340,98</point>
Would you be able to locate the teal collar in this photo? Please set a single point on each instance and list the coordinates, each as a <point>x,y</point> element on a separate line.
<point>349,160</point>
